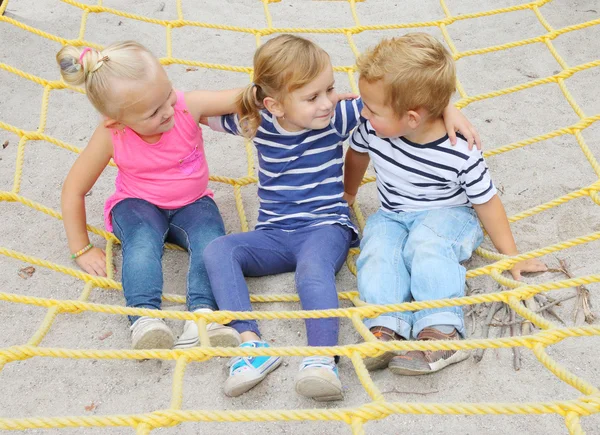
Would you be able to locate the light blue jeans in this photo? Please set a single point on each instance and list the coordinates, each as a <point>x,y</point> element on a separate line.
<point>416,256</point>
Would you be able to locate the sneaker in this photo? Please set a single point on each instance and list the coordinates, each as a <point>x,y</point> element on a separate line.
<point>383,334</point>
<point>245,372</point>
<point>417,362</point>
<point>219,335</point>
<point>318,379</point>
<point>151,333</point>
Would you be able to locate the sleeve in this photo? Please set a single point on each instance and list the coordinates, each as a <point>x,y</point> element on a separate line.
<point>225,124</point>
<point>347,116</point>
<point>475,179</point>
<point>360,138</point>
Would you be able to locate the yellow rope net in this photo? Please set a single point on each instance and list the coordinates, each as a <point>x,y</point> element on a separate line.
<point>571,410</point>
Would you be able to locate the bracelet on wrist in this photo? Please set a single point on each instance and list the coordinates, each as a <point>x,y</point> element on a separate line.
<point>81,251</point>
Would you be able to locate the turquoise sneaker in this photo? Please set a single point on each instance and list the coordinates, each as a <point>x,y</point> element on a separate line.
<point>318,379</point>
<point>247,372</point>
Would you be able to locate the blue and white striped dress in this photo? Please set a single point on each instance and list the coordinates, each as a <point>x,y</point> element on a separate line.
<point>300,177</point>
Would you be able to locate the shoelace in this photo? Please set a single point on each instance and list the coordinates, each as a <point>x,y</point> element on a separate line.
<point>143,320</point>
<point>318,361</point>
<point>244,360</point>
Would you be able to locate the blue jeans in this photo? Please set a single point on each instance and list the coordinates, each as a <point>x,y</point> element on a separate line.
<point>143,229</point>
<point>315,253</point>
<point>417,256</point>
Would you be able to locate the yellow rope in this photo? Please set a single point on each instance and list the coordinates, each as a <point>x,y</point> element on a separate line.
<point>378,408</point>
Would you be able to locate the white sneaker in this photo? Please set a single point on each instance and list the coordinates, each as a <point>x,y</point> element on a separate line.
<point>151,333</point>
<point>318,379</point>
<point>219,335</point>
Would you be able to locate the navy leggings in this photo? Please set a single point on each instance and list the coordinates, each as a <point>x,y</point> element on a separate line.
<point>316,254</point>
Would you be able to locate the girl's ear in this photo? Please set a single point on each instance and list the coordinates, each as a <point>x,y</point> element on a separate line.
<point>110,123</point>
<point>273,106</point>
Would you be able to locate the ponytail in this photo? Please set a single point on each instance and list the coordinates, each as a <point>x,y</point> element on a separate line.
<point>249,105</point>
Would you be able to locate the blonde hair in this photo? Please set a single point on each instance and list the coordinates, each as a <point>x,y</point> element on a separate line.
<point>416,70</point>
<point>96,70</point>
<point>282,65</point>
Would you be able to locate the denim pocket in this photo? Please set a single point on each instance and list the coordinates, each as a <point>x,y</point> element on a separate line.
<point>191,163</point>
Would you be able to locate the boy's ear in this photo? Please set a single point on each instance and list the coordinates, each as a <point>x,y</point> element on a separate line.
<point>273,106</point>
<point>414,118</point>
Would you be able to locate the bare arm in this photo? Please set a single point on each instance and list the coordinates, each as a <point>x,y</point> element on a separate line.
<point>82,176</point>
<point>493,217</point>
<point>355,167</point>
<point>456,121</point>
<point>212,103</point>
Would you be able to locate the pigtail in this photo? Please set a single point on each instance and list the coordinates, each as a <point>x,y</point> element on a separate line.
<point>249,110</point>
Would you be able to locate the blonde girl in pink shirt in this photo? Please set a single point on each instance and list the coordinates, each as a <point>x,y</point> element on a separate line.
<point>151,132</point>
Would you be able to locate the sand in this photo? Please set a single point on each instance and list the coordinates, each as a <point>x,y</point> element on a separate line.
<point>526,177</point>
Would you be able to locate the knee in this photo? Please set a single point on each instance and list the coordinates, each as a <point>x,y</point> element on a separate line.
<point>314,274</point>
<point>420,254</point>
<point>201,240</point>
<point>212,250</point>
<point>380,242</point>
<point>143,240</point>
<point>374,235</point>
<point>216,251</point>
<point>379,255</point>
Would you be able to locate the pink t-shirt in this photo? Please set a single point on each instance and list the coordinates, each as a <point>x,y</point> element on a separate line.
<point>170,173</point>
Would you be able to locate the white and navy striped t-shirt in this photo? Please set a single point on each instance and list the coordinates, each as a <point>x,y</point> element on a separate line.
<point>417,177</point>
<point>300,177</point>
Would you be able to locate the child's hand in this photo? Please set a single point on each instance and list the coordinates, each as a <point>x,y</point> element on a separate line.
<point>525,266</point>
<point>346,96</point>
<point>203,120</point>
<point>93,262</point>
<point>456,121</point>
<point>349,198</point>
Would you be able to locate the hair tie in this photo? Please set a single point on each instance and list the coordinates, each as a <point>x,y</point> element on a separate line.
<point>85,50</point>
<point>99,63</point>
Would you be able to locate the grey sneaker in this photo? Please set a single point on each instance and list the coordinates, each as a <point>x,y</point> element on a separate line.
<point>318,379</point>
<point>417,362</point>
<point>151,333</point>
<point>219,335</point>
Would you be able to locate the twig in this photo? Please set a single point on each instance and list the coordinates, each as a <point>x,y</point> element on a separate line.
<point>586,305</point>
<point>485,329</point>
<point>556,316</point>
<point>468,289</point>
<point>516,350</point>
<point>472,314</point>
<point>527,326</point>
<point>539,310</point>
<point>583,297</point>
<point>395,390</point>
<point>543,298</point>
<point>505,324</point>
<point>555,302</point>
<point>503,328</point>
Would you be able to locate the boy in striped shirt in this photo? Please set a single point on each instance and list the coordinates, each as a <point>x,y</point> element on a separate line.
<point>431,193</point>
